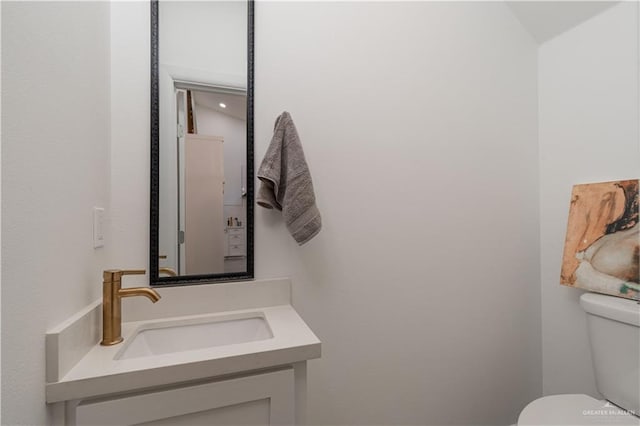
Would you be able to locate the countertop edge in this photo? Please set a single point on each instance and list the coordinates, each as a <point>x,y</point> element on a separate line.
<point>179,373</point>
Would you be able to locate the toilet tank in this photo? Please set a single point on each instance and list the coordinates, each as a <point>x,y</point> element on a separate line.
<point>614,334</point>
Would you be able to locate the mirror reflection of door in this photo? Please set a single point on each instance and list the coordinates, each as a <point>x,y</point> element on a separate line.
<point>211,161</point>
<point>202,144</point>
<point>203,197</point>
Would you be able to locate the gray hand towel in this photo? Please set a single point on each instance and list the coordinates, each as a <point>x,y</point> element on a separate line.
<point>285,182</point>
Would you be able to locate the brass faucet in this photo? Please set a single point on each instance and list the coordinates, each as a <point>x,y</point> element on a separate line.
<point>112,293</point>
<point>168,271</point>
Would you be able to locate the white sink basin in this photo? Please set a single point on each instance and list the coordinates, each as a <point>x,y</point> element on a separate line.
<point>165,338</point>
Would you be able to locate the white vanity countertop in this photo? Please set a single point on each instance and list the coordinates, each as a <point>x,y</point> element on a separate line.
<point>99,373</point>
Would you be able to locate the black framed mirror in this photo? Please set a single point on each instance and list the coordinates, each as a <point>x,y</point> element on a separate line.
<point>202,162</point>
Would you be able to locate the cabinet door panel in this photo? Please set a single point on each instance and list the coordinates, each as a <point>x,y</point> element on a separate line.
<point>243,399</point>
<point>245,414</point>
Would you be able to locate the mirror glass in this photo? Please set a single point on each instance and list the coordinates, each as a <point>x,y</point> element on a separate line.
<point>201,141</point>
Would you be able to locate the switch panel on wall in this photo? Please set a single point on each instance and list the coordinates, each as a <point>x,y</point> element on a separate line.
<point>98,227</point>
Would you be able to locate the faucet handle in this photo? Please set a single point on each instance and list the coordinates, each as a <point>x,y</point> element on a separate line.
<point>112,275</point>
<point>133,272</point>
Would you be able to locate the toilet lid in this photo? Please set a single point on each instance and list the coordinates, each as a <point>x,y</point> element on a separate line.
<point>576,410</point>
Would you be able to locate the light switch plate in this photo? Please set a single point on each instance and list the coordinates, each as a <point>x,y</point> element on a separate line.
<point>98,227</point>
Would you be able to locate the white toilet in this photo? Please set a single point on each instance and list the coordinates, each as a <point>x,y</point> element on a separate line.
<point>614,332</point>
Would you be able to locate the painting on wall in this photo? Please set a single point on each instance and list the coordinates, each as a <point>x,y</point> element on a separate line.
<point>601,251</point>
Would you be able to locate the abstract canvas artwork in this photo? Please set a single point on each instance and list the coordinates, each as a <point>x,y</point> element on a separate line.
<point>601,251</point>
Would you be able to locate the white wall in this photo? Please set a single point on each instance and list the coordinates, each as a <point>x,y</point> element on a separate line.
<point>130,137</point>
<point>419,125</point>
<point>55,154</point>
<point>588,113</point>
<point>213,27</point>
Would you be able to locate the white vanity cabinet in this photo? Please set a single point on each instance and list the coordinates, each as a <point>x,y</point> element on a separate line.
<point>235,242</point>
<point>258,399</point>
<point>227,376</point>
